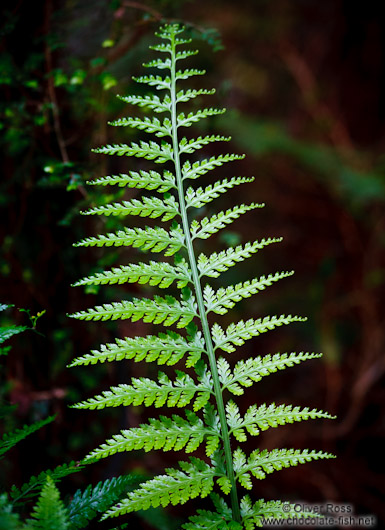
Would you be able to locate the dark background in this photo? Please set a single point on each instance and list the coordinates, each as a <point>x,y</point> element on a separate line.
<point>304,85</point>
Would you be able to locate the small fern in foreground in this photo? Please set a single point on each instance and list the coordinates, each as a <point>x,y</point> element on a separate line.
<point>208,420</point>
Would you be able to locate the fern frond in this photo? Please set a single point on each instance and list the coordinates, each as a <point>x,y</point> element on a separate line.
<point>9,331</point>
<point>148,150</point>
<point>167,348</point>
<point>255,515</point>
<point>152,102</point>
<point>12,438</point>
<point>194,479</point>
<point>207,520</point>
<point>192,145</point>
<point>152,207</point>
<point>149,125</point>
<point>190,72</point>
<point>148,180</point>
<point>164,433</point>
<point>237,334</point>
<point>261,463</point>
<point>31,488</point>
<point>250,371</point>
<point>217,263</point>
<point>197,198</point>
<point>156,81</point>
<point>193,117</point>
<point>161,64</point>
<point>199,168</point>
<point>154,239</point>
<point>178,393</point>
<point>154,273</point>
<point>183,96</point>
<point>225,298</point>
<point>260,418</point>
<point>160,310</point>
<point>49,512</point>
<point>85,505</point>
<point>210,225</point>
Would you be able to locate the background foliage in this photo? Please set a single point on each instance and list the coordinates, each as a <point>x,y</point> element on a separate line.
<point>306,84</point>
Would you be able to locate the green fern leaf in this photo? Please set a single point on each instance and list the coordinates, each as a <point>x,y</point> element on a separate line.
<point>35,483</point>
<point>261,463</point>
<point>206,520</point>
<point>152,207</point>
<point>154,239</point>
<point>12,438</point>
<point>225,298</point>
<point>248,372</point>
<point>192,145</point>
<point>260,418</point>
<point>85,505</point>
<point>159,310</point>
<point>197,169</point>
<point>194,479</point>
<point>149,125</point>
<point>183,96</point>
<point>155,273</point>
<point>154,80</point>
<point>151,102</point>
<point>148,150</point>
<point>167,348</point>
<point>197,198</point>
<point>193,117</point>
<point>255,515</point>
<point>178,393</point>
<point>49,512</point>
<point>237,334</point>
<point>207,226</point>
<point>164,433</point>
<point>148,180</point>
<point>9,331</point>
<point>217,263</point>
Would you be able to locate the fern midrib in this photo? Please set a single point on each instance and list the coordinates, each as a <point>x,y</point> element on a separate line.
<point>199,295</point>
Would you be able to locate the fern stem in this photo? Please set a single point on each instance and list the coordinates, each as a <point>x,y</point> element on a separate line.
<point>199,296</point>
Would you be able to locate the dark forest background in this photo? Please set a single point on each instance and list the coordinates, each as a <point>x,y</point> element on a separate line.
<point>304,83</point>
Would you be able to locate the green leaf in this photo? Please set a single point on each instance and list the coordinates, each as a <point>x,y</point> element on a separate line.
<point>149,125</point>
<point>261,463</point>
<point>165,433</point>
<point>192,145</point>
<point>237,334</point>
<point>28,489</point>
<point>49,512</point>
<point>208,226</point>
<point>155,273</point>
<point>220,262</point>
<point>152,207</point>
<point>148,150</point>
<point>250,371</point>
<point>201,167</point>
<point>261,418</point>
<point>199,197</point>
<point>149,180</point>
<point>9,331</point>
<point>193,117</point>
<point>151,102</point>
<point>178,393</point>
<point>160,310</point>
<point>85,505</point>
<point>154,239</point>
<point>225,298</point>
<point>10,439</point>
<point>177,486</point>
<point>166,348</point>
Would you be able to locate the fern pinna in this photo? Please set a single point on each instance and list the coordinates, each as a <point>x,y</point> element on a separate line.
<point>210,420</point>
